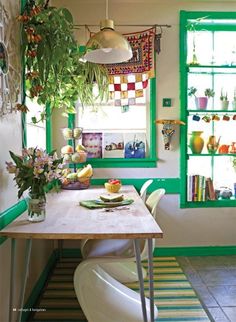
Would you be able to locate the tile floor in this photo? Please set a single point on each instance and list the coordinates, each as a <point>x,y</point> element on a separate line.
<point>214,280</point>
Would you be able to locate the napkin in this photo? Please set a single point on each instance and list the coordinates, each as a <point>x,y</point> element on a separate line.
<point>92,204</point>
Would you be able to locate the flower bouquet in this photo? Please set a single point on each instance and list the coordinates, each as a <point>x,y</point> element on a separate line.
<point>33,170</point>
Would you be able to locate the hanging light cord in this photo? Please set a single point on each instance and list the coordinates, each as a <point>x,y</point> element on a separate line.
<point>106,9</point>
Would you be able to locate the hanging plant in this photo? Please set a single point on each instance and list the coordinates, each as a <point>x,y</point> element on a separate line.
<point>54,72</point>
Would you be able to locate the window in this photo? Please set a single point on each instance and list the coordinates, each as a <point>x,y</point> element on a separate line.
<point>125,134</point>
<point>208,62</point>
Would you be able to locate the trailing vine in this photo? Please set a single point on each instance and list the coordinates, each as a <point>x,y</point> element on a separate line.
<point>54,71</point>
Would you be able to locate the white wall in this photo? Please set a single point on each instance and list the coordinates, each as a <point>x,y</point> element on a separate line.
<point>10,139</point>
<point>180,226</point>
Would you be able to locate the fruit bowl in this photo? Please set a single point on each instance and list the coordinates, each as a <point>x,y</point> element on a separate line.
<point>110,187</point>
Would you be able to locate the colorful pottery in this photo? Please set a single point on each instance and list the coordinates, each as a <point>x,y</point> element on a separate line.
<point>213,144</point>
<point>201,102</point>
<point>196,142</point>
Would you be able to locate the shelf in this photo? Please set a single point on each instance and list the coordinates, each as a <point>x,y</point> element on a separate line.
<point>212,155</point>
<point>211,111</point>
<point>210,203</point>
<point>211,66</point>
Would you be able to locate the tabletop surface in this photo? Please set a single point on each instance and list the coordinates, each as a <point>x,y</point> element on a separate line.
<point>66,219</point>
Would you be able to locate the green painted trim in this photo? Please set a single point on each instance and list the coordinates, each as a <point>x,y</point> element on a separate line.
<point>183,104</point>
<point>35,293</point>
<point>210,204</point>
<point>48,129</point>
<point>123,163</point>
<point>23,115</point>
<point>10,214</point>
<point>153,100</point>
<point>195,251</point>
<point>171,185</point>
<point>69,252</point>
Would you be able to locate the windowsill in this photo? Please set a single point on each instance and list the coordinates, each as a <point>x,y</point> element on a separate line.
<point>121,163</point>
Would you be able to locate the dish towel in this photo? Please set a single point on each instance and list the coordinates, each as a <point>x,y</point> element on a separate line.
<point>93,204</point>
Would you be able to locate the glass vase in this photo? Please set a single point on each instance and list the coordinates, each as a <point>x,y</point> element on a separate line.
<point>36,209</point>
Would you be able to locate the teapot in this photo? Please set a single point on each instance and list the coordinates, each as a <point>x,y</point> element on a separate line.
<point>213,144</point>
<point>225,193</point>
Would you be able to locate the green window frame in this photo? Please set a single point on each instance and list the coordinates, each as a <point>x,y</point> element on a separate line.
<point>149,162</point>
<point>185,16</point>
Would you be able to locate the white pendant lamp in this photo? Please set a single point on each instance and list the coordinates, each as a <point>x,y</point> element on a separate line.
<point>108,46</point>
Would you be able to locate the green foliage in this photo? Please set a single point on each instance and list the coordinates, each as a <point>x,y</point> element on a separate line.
<point>208,92</point>
<point>54,71</point>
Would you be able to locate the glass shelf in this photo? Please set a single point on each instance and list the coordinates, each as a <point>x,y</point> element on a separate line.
<point>211,111</point>
<point>212,154</point>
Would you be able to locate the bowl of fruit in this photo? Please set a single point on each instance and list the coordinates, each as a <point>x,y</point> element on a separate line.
<point>113,185</point>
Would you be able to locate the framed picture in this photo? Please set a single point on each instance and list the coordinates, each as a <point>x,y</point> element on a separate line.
<point>135,145</point>
<point>113,146</point>
<point>93,144</point>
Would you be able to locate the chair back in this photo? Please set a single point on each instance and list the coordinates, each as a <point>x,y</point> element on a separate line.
<point>153,200</point>
<point>143,190</point>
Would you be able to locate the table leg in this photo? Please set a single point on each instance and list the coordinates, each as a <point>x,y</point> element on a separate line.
<point>150,273</point>
<point>28,247</point>
<point>140,276</point>
<point>12,277</point>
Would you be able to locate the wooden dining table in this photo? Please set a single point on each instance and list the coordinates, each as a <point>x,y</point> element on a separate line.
<point>66,219</point>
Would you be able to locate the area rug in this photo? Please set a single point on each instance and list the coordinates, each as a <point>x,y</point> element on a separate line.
<point>174,296</point>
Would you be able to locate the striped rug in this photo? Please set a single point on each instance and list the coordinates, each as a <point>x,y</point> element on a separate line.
<point>174,296</point>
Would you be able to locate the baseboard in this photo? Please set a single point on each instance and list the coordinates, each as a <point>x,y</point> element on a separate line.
<point>37,289</point>
<point>195,251</point>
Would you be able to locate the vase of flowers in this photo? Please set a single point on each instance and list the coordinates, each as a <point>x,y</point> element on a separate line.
<point>33,170</point>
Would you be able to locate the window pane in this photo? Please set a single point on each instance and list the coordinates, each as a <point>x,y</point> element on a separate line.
<point>35,133</point>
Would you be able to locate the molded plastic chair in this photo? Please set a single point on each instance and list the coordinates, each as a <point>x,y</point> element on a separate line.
<point>143,190</point>
<point>124,271</point>
<point>103,299</point>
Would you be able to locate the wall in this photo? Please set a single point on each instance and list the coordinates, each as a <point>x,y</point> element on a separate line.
<point>181,226</point>
<point>10,139</point>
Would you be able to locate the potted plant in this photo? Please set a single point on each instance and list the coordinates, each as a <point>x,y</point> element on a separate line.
<point>55,74</point>
<point>224,100</point>
<point>201,101</point>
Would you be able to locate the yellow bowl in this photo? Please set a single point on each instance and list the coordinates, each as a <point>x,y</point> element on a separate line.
<point>112,187</point>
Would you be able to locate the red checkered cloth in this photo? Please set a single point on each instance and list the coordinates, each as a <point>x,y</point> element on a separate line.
<point>129,79</point>
<point>127,89</point>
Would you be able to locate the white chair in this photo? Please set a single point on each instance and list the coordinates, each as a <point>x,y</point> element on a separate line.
<point>103,299</point>
<point>143,190</point>
<point>123,271</point>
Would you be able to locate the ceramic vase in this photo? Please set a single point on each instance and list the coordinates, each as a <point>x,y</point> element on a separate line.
<point>196,142</point>
<point>36,209</point>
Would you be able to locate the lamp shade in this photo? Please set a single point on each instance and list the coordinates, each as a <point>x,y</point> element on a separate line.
<point>108,46</point>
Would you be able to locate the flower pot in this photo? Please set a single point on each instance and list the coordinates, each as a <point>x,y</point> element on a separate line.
<point>36,209</point>
<point>224,105</point>
<point>196,142</point>
<point>201,102</point>
<point>234,104</point>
